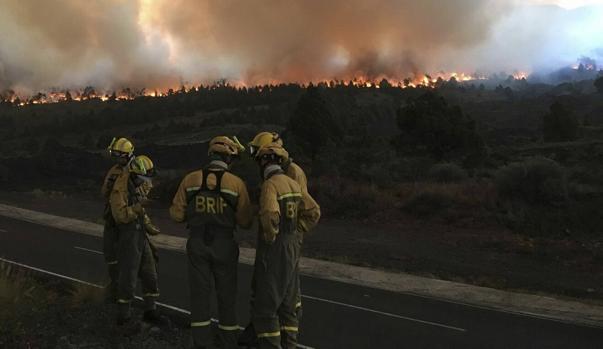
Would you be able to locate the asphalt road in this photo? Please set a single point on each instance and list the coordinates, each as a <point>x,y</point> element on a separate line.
<point>336,315</point>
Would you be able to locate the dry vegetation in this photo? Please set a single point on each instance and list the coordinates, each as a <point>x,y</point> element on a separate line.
<point>38,312</point>
<point>473,172</point>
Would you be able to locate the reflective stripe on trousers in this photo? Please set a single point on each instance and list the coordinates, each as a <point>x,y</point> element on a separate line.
<point>216,264</point>
<point>229,327</point>
<point>269,334</point>
<point>201,323</point>
<point>274,313</point>
<point>136,261</point>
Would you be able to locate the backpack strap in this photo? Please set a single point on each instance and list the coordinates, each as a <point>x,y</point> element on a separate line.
<point>218,188</point>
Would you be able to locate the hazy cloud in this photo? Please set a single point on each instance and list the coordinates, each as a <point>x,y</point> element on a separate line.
<point>161,43</point>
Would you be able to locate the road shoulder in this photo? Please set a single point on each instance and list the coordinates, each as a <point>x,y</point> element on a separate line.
<point>570,311</point>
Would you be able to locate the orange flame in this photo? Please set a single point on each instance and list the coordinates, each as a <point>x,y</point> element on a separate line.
<point>420,80</point>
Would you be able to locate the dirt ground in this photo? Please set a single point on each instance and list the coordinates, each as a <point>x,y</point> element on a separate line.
<point>41,312</point>
<point>481,255</point>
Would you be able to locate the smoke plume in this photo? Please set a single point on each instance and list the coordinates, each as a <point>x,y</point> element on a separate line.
<point>112,44</point>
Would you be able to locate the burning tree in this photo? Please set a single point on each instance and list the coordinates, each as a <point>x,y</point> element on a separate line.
<point>89,93</point>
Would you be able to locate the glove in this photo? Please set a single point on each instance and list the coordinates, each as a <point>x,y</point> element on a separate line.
<point>150,227</point>
<point>137,208</point>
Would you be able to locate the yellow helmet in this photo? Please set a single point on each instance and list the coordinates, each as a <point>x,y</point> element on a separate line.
<point>225,145</point>
<point>143,166</point>
<point>272,151</point>
<point>263,139</point>
<point>121,147</point>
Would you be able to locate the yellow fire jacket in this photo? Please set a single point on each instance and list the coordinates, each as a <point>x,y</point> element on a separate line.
<point>280,187</point>
<point>231,184</point>
<point>297,174</point>
<point>124,211</point>
<point>110,179</point>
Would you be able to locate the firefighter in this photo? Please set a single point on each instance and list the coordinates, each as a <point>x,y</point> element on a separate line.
<point>121,151</point>
<point>295,172</point>
<point>291,169</point>
<point>213,202</point>
<point>285,213</point>
<point>134,251</point>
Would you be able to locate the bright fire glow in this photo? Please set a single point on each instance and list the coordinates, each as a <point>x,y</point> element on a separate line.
<point>422,80</point>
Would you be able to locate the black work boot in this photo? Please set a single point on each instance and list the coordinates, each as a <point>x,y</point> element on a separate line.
<point>248,337</point>
<point>111,293</point>
<point>123,320</point>
<point>127,326</point>
<point>124,314</point>
<point>153,317</point>
<point>111,290</point>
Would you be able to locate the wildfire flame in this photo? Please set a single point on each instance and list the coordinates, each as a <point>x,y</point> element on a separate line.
<point>420,80</point>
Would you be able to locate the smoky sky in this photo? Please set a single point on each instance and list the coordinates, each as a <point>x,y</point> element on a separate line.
<point>113,44</point>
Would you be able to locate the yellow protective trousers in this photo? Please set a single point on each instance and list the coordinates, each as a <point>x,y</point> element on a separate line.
<point>213,260</point>
<point>274,312</point>
<point>136,260</point>
<point>110,240</point>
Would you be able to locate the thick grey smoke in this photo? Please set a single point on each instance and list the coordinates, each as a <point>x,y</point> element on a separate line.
<point>112,44</point>
<point>314,39</point>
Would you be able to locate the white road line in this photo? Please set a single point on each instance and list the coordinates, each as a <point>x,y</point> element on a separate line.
<point>88,250</point>
<point>534,306</point>
<point>3,231</point>
<point>51,273</point>
<point>534,316</point>
<point>326,301</point>
<point>99,286</point>
<point>387,314</point>
<point>331,302</point>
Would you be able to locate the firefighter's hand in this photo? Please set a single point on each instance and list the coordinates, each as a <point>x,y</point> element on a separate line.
<point>138,209</point>
<point>152,229</point>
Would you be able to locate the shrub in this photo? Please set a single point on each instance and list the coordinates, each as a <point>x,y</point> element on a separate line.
<point>580,219</point>
<point>411,168</point>
<point>446,173</point>
<point>31,145</point>
<point>313,123</point>
<point>166,185</point>
<point>535,181</point>
<point>559,125</point>
<point>86,141</point>
<point>452,201</point>
<point>599,84</point>
<point>4,174</point>
<point>347,199</point>
<point>430,126</point>
<point>428,203</point>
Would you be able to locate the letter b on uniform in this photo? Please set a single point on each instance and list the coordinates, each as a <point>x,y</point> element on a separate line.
<point>209,205</point>
<point>291,210</point>
<point>200,203</point>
